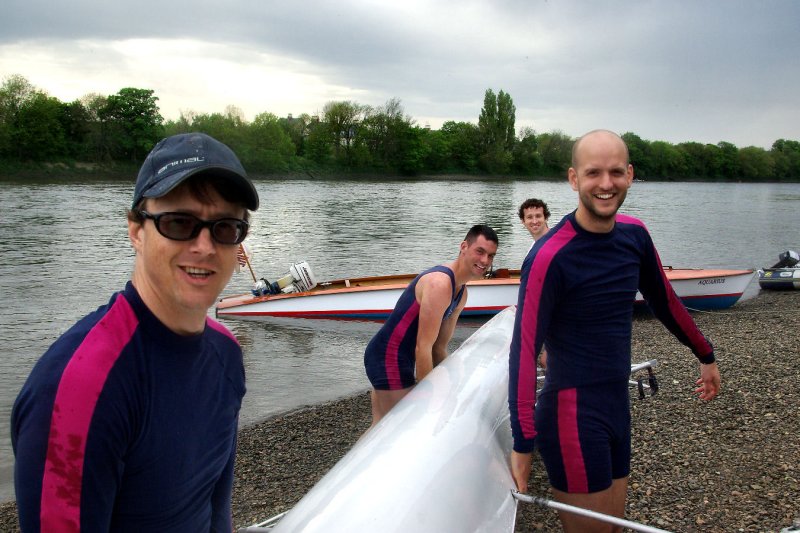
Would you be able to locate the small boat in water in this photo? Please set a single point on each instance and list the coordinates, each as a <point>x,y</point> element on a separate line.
<point>297,294</point>
<point>783,275</point>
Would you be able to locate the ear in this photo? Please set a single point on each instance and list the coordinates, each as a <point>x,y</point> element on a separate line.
<point>572,176</point>
<point>135,231</point>
<point>463,247</point>
<point>630,174</point>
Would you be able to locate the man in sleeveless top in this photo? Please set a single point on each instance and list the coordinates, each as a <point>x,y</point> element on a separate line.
<point>577,290</point>
<point>414,338</point>
<point>128,422</point>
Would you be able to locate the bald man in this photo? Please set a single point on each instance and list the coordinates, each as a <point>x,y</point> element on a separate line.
<point>576,294</point>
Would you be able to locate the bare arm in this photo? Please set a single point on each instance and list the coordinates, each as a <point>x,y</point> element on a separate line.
<point>434,294</point>
<point>446,331</point>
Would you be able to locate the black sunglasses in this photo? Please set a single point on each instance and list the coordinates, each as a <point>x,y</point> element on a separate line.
<point>185,227</point>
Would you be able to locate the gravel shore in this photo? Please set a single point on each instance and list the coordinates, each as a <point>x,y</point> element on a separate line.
<point>726,466</point>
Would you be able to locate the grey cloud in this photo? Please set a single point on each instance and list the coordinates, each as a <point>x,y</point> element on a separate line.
<point>645,64</point>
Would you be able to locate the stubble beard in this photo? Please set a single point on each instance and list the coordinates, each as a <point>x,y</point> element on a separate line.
<point>588,204</point>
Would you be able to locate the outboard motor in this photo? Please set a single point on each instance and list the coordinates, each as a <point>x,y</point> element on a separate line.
<point>788,259</point>
<point>300,278</point>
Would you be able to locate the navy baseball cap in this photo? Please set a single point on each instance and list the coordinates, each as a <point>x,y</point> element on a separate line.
<point>175,159</point>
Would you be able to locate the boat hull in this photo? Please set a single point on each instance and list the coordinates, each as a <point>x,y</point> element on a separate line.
<point>779,279</point>
<point>375,297</point>
<point>438,461</point>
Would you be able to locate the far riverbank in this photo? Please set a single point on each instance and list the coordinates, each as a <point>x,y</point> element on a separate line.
<point>66,172</point>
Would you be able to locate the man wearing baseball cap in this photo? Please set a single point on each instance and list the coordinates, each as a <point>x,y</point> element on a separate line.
<point>128,422</point>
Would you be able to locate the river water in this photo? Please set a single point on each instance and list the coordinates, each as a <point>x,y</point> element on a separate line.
<point>64,251</point>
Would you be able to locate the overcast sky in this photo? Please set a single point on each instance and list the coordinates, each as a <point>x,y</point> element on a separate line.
<point>673,70</point>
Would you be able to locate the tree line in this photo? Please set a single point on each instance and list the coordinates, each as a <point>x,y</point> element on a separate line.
<point>348,137</point>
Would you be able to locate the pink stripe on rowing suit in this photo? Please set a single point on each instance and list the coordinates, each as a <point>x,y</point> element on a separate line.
<point>80,386</point>
<point>678,310</point>
<point>526,379</point>
<point>393,346</point>
<point>571,453</point>
<point>676,307</point>
<point>627,219</point>
<point>213,324</point>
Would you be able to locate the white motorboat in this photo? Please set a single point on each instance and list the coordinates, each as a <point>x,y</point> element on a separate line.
<point>298,295</point>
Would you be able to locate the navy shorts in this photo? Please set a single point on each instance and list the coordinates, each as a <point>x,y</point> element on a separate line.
<point>584,436</point>
<point>385,375</point>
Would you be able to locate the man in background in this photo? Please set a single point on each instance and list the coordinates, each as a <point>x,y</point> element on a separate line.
<point>534,214</point>
<point>128,422</point>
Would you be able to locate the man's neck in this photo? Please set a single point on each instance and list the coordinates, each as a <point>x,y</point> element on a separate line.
<point>594,224</point>
<point>180,323</point>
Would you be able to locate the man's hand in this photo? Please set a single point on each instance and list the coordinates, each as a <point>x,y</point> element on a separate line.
<point>709,382</point>
<point>521,469</point>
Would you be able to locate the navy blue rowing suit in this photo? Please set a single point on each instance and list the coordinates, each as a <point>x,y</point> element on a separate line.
<point>577,291</point>
<point>390,358</point>
<point>124,425</point>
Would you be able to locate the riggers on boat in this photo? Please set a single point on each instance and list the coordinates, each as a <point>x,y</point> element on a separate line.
<point>783,275</point>
<point>438,461</point>
<point>297,294</point>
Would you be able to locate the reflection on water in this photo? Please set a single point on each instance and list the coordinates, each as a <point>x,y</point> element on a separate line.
<point>318,359</point>
<point>64,251</point>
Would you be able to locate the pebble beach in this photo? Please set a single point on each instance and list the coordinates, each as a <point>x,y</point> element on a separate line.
<point>730,465</point>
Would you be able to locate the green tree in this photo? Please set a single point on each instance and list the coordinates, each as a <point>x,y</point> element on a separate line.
<point>343,119</point>
<point>269,148</point>
<point>438,158</point>
<point>527,160</point>
<point>415,151</point>
<point>39,134</point>
<point>387,133</point>
<point>464,141</point>
<point>714,161</point>
<point>75,121</point>
<point>728,160</point>
<point>786,157</point>
<point>15,91</point>
<point>228,127</point>
<point>667,160</point>
<point>496,126</point>
<point>133,122</point>
<point>639,154</point>
<point>318,146</point>
<point>32,124</point>
<point>555,149</point>
<point>696,158</point>
<point>756,164</point>
<point>98,145</point>
<point>297,128</point>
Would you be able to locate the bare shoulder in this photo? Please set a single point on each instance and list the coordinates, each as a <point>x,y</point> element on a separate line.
<point>434,286</point>
<point>436,280</point>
